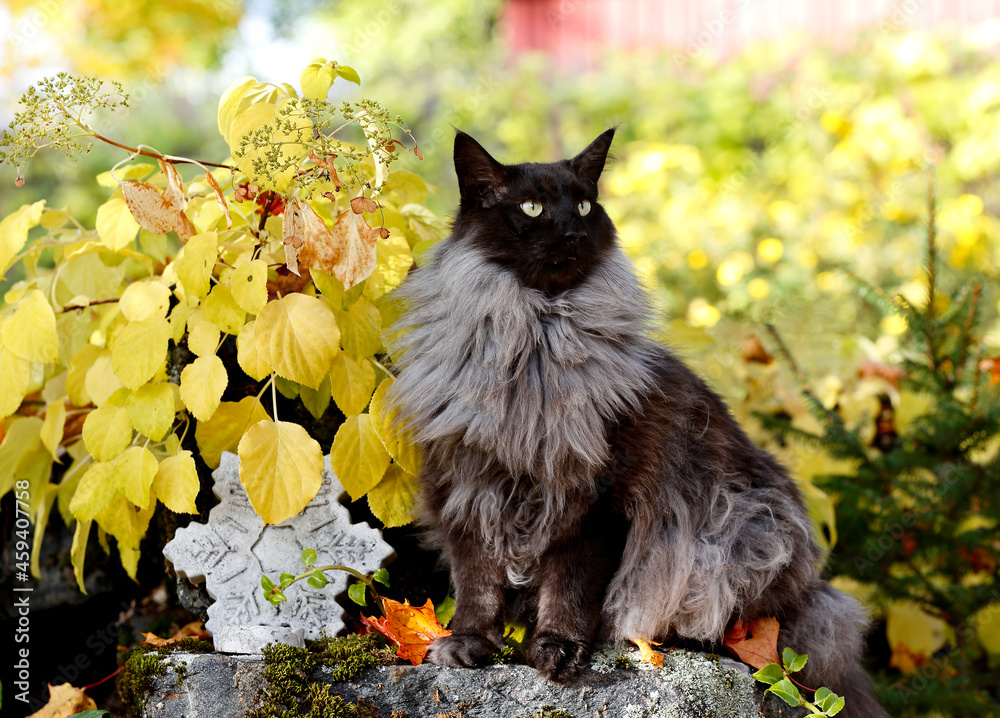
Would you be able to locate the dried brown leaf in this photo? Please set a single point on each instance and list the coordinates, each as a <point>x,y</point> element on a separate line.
<point>346,251</point>
<point>154,212</point>
<point>220,199</point>
<point>761,648</point>
<point>363,204</point>
<point>174,192</point>
<point>356,242</point>
<point>64,700</point>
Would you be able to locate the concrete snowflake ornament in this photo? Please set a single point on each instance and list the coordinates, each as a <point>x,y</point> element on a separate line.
<point>235,548</point>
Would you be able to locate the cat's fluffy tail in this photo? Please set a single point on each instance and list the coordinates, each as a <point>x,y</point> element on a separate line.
<point>829,626</point>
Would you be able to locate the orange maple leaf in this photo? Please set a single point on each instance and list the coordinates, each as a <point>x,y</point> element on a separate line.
<point>647,652</point>
<point>411,628</point>
<point>761,648</point>
<point>195,629</point>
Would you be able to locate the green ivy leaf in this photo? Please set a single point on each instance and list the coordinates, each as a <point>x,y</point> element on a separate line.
<point>828,701</point>
<point>793,661</point>
<point>317,579</point>
<point>786,691</point>
<point>286,580</point>
<point>382,576</point>
<point>266,583</point>
<point>357,593</point>
<point>308,557</point>
<point>769,674</point>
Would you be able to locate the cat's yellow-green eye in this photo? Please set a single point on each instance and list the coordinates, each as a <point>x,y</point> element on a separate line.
<point>584,208</point>
<point>531,208</point>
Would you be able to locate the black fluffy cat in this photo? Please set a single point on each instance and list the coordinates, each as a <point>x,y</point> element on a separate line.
<point>575,471</point>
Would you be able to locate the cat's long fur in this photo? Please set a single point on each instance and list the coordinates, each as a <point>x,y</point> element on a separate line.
<point>574,467</point>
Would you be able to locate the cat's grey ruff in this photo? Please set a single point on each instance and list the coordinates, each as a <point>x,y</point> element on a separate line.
<point>524,377</point>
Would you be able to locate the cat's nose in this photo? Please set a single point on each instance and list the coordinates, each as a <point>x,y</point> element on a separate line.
<point>574,235</point>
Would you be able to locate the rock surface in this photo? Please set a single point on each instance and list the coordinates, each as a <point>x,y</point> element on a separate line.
<point>688,685</point>
<point>233,550</point>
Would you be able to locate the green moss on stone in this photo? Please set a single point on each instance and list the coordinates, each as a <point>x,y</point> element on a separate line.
<point>291,691</point>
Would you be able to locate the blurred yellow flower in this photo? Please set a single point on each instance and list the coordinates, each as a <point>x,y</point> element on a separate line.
<point>703,314</point>
<point>758,288</point>
<point>894,325</point>
<point>770,250</point>
<point>697,259</point>
<point>729,272</point>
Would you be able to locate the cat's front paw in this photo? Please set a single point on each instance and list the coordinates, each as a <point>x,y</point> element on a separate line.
<point>461,650</point>
<point>558,658</point>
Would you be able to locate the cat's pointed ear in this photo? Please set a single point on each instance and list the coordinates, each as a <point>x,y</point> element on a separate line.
<point>478,173</point>
<point>589,164</point>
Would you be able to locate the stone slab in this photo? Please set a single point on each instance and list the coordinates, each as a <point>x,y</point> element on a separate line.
<point>231,552</point>
<point>689,685</point>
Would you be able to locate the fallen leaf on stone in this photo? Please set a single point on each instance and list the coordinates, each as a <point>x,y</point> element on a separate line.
<point>411,628</point>
<point>647,652</point>
<point>64,700</point>
<point>754,643</point>
<point>195,629</point>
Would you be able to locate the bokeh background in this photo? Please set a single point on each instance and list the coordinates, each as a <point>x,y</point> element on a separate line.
<point>766,152</point>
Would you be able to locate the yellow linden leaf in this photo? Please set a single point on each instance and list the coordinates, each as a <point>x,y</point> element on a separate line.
<point>360,329</point>
<point>248,285</point>
<point>94,492</point>
<point>987,623</point>
<point>78,551</point>
<point>176,483</point>
<point>76,377</point>
<point>358,457</point>
<point>248,353</point>
<point>914,635</point>
<point>138,350</point>
<point>30,332</point>
<point>133,474</point>
<point>21,438</point>
<point>52,428</point>
<point>351,383</point>
<point>151,410</point>
<point>203,335</point>
<point>316,79</point>
<point>222,310</point>
<point>41,521</point>
<point>394,500</point>
<point>126,522</point>
<point>107,431</point>
<point>16,373</point>
<point>14,231</point>
<point>226,427</point>
<point>287,143</point>
<point>298,337</point>
<point>202,384</point>
<point>397,442</point>
<point>197,262</point>
<point>115,225</point>
<point>281,468</point>
<point>392,265</point>
<point>145,300</point>
<point>101,381</point>
<point>231,103</point>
